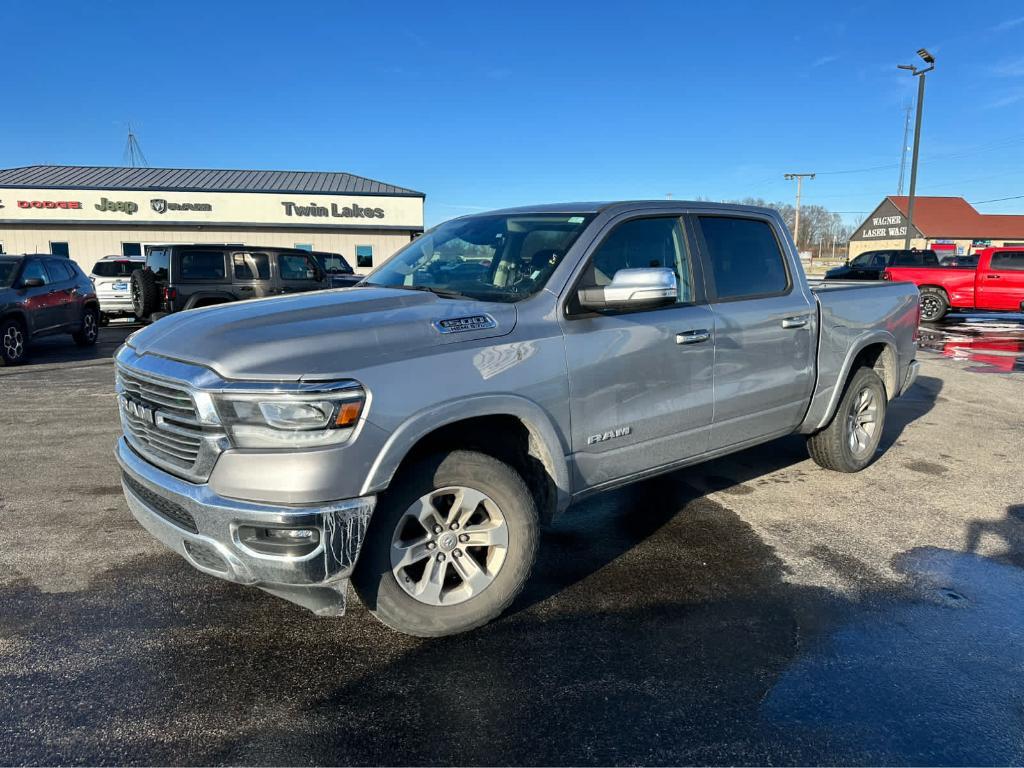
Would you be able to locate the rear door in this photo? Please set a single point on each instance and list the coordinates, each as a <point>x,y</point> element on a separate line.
<point>297,272</point>
<point>251,274</point>
<point>63,287</point>
<point>1001,286</point>
<point>765,329</point>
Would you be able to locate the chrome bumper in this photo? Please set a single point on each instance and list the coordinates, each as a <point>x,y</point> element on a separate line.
<point>203,528</point>
<point>116,303</point>
<point>912,370</point>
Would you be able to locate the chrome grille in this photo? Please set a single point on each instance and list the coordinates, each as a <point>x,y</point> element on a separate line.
<point>166,428</point>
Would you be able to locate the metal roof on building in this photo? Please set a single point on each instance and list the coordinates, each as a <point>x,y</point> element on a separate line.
<point>954,217</point>
<point>196,180</point>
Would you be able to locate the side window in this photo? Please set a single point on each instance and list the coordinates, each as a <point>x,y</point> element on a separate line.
<point>1010,260</point>
<point>930,259</point>
<point>745,257</point>
<point>293,266</point>
<point>878,260</point>
<point>159,261</point>
<point>202,265</point>
<point>34,269</point>
<point>251,266</point>
<point>643,243</point>
<point>59,271</point>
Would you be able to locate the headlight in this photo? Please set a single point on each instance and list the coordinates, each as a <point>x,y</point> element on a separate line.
<point>290,420</point>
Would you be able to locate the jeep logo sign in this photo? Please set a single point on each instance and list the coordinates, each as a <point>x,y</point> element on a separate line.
<point>120,206</point>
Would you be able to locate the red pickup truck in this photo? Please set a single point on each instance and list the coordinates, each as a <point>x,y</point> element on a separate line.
<point>996,284</point>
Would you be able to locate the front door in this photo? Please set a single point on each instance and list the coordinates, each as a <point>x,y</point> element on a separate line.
<point>765,330</point>
<point>640,382</point>
<point>297,272</point>
<point>1002,285</point>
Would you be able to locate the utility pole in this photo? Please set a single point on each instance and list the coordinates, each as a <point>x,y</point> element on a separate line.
<point>920,73</point>
<point>796,223</point>
<point>903,151</point>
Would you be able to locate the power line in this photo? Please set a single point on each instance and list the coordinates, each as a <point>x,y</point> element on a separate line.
<point>996,200</point>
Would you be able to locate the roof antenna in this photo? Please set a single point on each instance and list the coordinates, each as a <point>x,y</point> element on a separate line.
<point>133,151</point>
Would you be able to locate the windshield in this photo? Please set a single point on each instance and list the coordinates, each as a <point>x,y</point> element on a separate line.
<point>490,257</point>
<point>8,267</point>
<point>115,268</point>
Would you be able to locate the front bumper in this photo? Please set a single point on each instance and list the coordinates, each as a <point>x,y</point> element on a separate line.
<point>203,527</point>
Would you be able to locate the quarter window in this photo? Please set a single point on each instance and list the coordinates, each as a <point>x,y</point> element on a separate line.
<point>746,260</point>
<point>202,265</point>
<point>1011,260</point>
<point>640,244</point>
<point>159,262</point>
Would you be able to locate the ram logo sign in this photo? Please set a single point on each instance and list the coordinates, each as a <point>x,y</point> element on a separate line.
<point>610,435</point>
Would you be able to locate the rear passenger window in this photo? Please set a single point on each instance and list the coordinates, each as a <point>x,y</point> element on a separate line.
<point>745,257</point>
<point>639,244</point>
<point>59,271</point>
<point>295,267</point>
<point>251,266</point>
<point>1012,260</point>
<point>202,265</point>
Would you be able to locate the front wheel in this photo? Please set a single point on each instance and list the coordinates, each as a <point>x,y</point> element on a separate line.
<point>450,545</point>
<point>13,342</point>
<point>849,442</point>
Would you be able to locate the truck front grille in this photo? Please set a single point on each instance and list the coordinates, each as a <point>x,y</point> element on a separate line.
<point>160,421</point>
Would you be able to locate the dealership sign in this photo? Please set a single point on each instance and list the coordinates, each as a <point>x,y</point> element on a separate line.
<point>141,207</point>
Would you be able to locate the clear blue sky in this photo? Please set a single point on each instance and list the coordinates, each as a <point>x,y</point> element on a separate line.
<point>483,104</point>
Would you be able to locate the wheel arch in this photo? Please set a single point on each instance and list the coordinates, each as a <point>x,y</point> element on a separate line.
<point>208,299</point>
<point>530,443</point>
<point>876,351</point>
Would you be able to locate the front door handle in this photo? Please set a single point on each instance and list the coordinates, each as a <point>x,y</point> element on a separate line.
<point>992,277</point>
<point>693,337</point>
<point>794,322</point>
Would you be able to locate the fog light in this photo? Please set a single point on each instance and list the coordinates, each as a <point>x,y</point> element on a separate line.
<point>284,542</point>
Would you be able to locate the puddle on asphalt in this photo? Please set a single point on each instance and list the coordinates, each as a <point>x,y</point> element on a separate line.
<point>994,343</point>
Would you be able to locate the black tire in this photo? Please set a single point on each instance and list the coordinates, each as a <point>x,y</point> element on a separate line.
<point>834,446</point>
<point>144,292</point>
<point>89,333</point>
<point>377,584</point>
<point>13,341</point>
<point>934,304</point>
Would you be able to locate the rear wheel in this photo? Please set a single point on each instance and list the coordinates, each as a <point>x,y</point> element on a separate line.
<point>450,546</point>
<point>13,342</point>
<point>934,304</point>
<point>849,442</point>
<point>87,335</point>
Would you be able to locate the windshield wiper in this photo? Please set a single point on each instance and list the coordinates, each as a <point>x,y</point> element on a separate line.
<point>444,293</point>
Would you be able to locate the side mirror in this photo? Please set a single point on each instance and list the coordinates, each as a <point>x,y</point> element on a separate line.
<point>632,289</point>
<point>32,282</point>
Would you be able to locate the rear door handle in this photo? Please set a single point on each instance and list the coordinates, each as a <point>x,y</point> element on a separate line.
<point>992,277</point>
<point>693,337</point>
<point>794,322</point>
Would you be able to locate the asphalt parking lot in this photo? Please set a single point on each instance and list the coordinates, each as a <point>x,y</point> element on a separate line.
<point>754,610</point>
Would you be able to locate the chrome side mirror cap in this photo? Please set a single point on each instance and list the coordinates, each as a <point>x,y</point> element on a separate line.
<point>632,289</point>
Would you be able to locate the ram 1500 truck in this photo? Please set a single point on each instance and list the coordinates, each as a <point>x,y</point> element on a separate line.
<point>996,284</point>
<point>411,434</point>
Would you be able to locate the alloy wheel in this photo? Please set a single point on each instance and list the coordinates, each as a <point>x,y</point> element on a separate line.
<point>862,422</point>
<point>14,342</point>
<point>89,326</point>
<point>449,546</point>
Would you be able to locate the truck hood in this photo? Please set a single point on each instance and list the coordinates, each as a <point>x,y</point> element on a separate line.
<point>318,336</point>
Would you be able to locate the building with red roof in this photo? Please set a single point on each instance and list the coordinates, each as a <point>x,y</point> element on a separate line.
<point>944,224</point>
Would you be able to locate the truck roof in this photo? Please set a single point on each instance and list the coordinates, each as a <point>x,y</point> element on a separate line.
<point>600,207</point>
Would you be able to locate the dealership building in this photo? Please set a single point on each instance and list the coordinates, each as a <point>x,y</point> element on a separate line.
<point>947,225</point>
<point>87,213</point>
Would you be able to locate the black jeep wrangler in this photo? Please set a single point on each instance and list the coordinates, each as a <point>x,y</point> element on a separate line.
<point>179,277</point>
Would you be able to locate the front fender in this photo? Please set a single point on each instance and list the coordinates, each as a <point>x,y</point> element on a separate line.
<point>421,424</point>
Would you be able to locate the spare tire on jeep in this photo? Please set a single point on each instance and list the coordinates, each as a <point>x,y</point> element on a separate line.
<point>144,292</point>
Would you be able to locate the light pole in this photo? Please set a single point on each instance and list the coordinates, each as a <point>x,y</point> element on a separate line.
<point>796,222</point>
<point>930,61</point>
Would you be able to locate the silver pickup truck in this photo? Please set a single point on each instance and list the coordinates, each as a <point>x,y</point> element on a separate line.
<point>413,433</point>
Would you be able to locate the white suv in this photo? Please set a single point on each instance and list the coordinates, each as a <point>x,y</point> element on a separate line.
<point>112,277</point>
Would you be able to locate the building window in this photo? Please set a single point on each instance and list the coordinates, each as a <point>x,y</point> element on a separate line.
<point>364,255</point>
<point>60,249</point>
<point>1,248</point>
<point>304,246</point>
<point>131,249</point>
